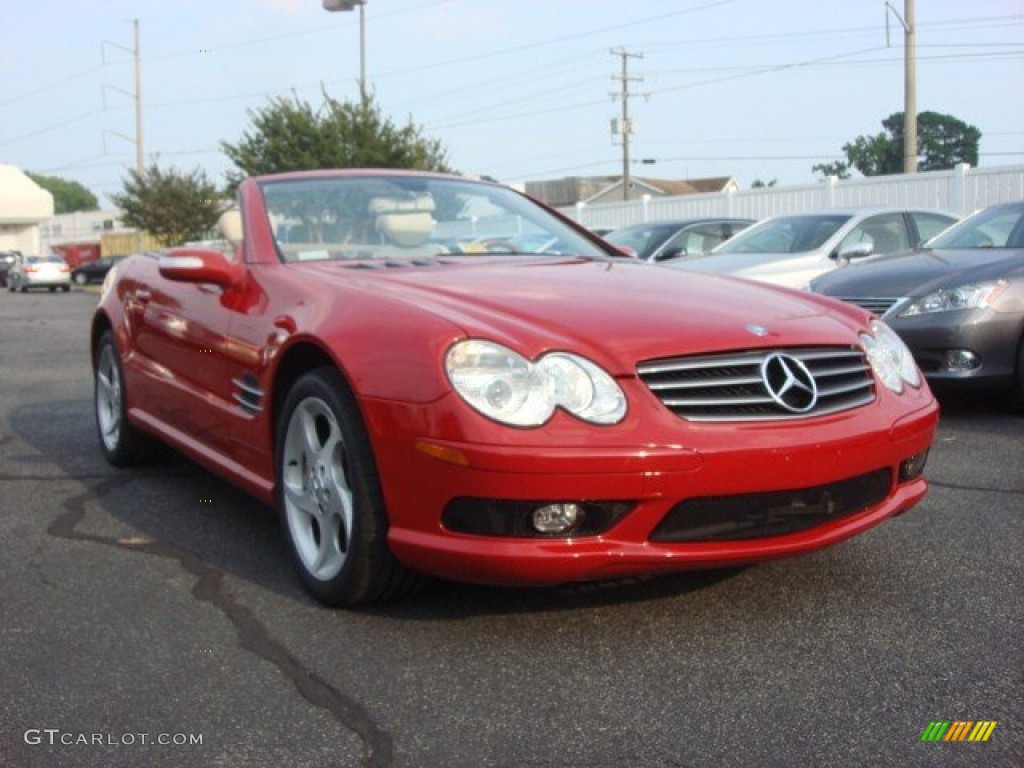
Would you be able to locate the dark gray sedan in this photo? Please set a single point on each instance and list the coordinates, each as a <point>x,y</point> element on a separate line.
<point>958,301</point>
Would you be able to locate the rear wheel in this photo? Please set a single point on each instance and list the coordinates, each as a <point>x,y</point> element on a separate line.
<point>329,496</point>
<point>123,444</point>
<point>81,279</point>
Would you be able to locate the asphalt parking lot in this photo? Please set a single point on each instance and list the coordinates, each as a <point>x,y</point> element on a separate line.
<point>150,618</point>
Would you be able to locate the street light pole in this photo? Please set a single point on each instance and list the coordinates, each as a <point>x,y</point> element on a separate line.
<point>350,5</point>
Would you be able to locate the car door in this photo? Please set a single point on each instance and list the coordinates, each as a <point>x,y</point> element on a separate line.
<point>180,339</point>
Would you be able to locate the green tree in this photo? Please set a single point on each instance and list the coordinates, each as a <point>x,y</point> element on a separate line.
<point>943,141</point>
<point>172,205</point>
<point>290,135</point>
<point>835,168</point>
<point>762,184</point>
<point>68,196</point>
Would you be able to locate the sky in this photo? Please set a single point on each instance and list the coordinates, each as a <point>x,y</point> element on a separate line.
<point>753,89</point>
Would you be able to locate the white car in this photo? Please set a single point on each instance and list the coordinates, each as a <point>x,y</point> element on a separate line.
<point>39,272</point>
<point>792,250</point>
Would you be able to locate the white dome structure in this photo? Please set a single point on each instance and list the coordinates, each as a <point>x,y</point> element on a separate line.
<point>23,206</point>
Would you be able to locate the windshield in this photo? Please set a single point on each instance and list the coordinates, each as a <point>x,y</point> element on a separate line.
<point>786,234</point>
<point>645,239</point>
<point>411,217</point>
<point>1000,227</point>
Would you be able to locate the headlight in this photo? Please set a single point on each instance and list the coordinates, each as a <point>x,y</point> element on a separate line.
<point>972,296</point>
<point>890,358</point>
<point>505,386</point>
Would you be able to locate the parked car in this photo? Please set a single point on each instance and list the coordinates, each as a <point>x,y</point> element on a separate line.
<point>411,407</point>
<point>958,302</point>
<point>792,250</point>
<point>39,272</point>
<point>7,259</point>
<point>93,271</point>
<point>660,240</point>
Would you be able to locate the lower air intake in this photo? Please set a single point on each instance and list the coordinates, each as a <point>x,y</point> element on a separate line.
<point>761,515</point>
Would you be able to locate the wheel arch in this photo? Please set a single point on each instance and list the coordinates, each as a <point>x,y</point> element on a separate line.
<point>100,325</point>
<point>297,360</point>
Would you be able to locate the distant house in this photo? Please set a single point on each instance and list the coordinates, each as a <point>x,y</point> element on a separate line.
<point>608,189</point>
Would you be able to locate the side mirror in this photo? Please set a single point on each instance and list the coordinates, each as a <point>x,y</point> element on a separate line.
<point>198,265</point>
<point>857,251</point>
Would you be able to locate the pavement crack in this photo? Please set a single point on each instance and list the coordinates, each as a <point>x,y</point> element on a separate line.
<point>975,488</point>
<point>253,636</point>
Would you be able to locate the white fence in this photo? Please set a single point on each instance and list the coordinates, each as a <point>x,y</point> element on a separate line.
<point>960,191</point>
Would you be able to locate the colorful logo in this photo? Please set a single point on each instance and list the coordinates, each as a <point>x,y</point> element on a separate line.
<point>958,730</point>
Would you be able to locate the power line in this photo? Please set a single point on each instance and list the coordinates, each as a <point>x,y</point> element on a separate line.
<point>49,128</point>
<point>52,86</point>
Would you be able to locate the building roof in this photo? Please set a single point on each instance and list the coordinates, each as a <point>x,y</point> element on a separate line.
<point>576,189</point>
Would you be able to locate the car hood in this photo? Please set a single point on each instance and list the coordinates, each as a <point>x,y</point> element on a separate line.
<point>916,273</point>
<point>789,269</point>
<point>616,312</point>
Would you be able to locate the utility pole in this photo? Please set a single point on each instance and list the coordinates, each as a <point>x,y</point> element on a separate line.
<point>622,124</point>
<point>909,82</point>
<point>136,51</point>
<point>909,89</point>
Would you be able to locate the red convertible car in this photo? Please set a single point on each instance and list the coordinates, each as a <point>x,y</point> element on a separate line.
<point>432,375</point>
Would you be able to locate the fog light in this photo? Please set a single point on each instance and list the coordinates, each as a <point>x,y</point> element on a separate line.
<point>556,518</point>
<point>913,467</point>
<point>536,518</point>
<point>961,360</point>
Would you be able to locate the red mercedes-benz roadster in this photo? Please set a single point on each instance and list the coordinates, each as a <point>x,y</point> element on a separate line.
<point>431,375</point>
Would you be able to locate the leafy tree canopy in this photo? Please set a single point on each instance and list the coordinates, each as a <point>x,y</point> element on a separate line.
<point>835,168</point>
<point>68,196</point>
<point>290,135</point>
<point>172,205</point>
<point>943,141</point>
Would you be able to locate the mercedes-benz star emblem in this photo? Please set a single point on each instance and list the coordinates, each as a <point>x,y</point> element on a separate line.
<point>789,382</point>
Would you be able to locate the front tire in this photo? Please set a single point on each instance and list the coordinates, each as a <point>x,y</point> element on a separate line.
<point>1017,391</point>
<point>122,444</point>
<point>329,497</point>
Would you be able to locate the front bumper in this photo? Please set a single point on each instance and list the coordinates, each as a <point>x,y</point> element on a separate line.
<point>991,337</point>
<point>655,476</point>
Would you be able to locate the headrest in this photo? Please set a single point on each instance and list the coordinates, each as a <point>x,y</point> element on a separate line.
<point>416,204</point>
<point>230,225</point>
<point>406,230</point>
<point>404,221</point>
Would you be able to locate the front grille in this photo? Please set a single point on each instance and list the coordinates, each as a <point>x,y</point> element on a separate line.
<point>732,387</point>
<point>877,304</point>
<point>760,515</point>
